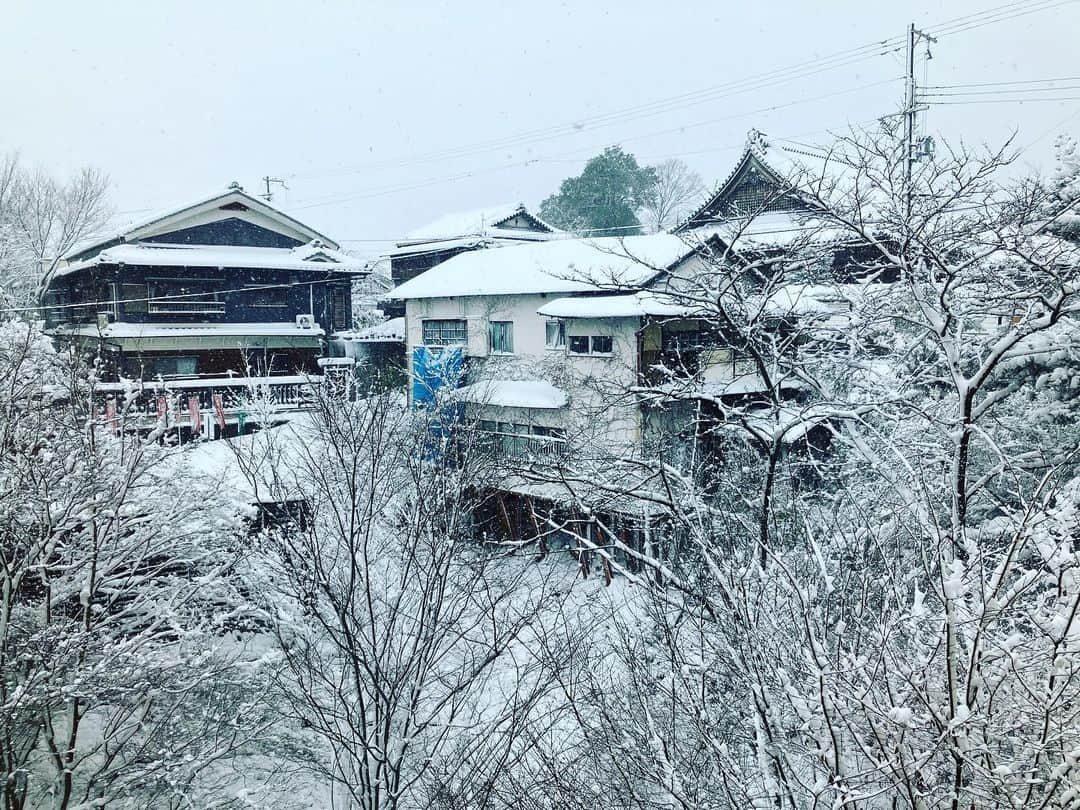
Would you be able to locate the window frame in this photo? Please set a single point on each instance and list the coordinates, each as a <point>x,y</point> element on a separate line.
<point>570,345</point>
<point>168,296</point>
<point>601,353</point>
<point>590,342</point>
<point>509,335</point>
<point>277,288</point>
<point>441,342</point>
<point>560,336</point>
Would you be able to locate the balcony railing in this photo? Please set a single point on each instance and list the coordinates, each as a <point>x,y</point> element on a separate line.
<point>174,307</point>
<point>248,394</point>
<point>520,446</point>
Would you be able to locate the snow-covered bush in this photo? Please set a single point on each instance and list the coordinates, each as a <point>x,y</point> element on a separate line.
<point>898,629</point>
<point>121,684</point>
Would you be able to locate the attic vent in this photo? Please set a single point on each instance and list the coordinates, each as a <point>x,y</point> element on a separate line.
<point>234,206</point>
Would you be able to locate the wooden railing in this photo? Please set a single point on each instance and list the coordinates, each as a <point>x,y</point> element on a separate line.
<point>140,401</point>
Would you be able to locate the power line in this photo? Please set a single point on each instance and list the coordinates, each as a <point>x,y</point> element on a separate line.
<point>760,81</point>
<point>1002,92</point>
<point>1004,101</point>
<point>756,82</point>
<point>1003,13</point>
<point>339,198</point>
<point>1001,84</point>
<point>173,297</point>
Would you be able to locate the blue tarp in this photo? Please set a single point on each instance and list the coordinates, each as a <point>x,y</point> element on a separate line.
<point>435,370</point>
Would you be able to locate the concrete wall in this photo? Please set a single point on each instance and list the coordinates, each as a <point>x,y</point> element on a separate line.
<point>599,412</point>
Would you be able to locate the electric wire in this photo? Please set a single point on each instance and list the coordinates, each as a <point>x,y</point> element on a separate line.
<point>339,198</point>
<point>759,81</point>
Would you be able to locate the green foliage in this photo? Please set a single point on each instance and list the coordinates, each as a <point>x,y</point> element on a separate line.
<point>604,198</point>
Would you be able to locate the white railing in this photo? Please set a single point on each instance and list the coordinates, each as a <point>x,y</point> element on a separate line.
<point>140,400</point>
<point>166,306</point>
<point>520,446</point>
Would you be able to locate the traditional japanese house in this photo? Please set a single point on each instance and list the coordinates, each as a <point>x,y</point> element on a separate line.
<point>219,297</point>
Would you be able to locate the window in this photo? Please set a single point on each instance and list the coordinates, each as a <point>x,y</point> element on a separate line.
<point>579,344</point>
<point>501,337</point>
<point>339,315</point>
<point>268,296</point>
<point>183,297</point>
<point>168,366</point>
<point>133,297</point>
<point>520,440</point>
<point>590,344</point>
<point>555,335</point>
<point>444,332</point>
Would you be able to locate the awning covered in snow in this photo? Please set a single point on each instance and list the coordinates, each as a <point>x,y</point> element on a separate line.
<point>633,305</point>
<point>391,331</point>
<point>513,394</point>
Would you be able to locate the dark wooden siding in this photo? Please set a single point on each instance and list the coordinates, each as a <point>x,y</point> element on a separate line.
<point>231,231</point>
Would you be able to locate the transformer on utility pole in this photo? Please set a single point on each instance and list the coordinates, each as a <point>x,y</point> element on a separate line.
<point>269,195</point>
<point>912,151</point>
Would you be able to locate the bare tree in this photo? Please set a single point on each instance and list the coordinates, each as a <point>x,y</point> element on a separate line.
<point>41,219</point>
<point>873,604</point>
<point>406,643</point>
<point>678,188</point>
<point>121,683</point>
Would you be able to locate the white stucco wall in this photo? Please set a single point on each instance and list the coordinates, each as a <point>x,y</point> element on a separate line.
<point>599,410</point>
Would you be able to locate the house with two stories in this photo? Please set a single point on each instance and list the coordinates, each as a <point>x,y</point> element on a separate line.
<point>586,348</point>
<point>203,308</point>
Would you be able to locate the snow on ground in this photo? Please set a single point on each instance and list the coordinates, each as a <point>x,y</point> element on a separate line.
<point>253,468</point>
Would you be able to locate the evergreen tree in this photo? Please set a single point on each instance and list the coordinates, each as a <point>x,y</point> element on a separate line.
<point>604,198</point>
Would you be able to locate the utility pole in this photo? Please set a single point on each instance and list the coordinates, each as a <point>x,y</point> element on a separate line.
<point>269,195</point>
<point>911,112</point>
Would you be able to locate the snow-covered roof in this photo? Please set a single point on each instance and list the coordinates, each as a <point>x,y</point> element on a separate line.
<point>558,266</point>
<point>480,222</point>
<point>438,245</point>
<point>785,162</point>
<point>785,425</point>
<point>254,468</point>
<point>634,305</point>
<point>391,331</point>
<point>513,394</point>
<point>123,329</point>
<point>812,299</point>
<point>167,219</point>
<point>313,256</point>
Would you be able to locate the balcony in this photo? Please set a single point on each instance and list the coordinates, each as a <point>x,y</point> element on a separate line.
<point>520,446</point>
<point>173,307</point>
<point>241,397</point>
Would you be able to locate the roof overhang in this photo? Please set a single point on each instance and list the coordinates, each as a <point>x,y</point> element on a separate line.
<point>234,203</point>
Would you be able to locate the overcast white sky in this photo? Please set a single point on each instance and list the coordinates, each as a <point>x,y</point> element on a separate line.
<point>352,102</point>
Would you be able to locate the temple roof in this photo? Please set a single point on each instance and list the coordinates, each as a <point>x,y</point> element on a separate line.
<point>765,179</point>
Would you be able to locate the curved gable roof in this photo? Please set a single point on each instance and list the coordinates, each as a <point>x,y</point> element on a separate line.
<point>774,165</point>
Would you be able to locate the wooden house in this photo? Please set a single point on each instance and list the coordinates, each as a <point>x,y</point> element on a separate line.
<point>204,299</point>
